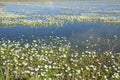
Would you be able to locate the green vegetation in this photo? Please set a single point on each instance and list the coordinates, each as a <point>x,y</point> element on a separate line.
<point>56,20</point>
<point>37,19</point>
<point>55,59</point>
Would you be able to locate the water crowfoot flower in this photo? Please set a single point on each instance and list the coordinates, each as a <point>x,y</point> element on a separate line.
<point>56,59</point>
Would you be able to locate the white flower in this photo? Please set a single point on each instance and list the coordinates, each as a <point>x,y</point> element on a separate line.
<point>105,76</point>
<point>115,36</point>
<point>49,67</point>
<point>46,52</point>
<point>27,72</point>
<point>70,74</point>
<point>22,57</point>
<point>68,68</point>
<point>87,67</point>
<point>49,78</point>
<point>42,74</point>
<point>26,45</point>
<point>31,73</point>
<point>78,71</point>
<point>51,51</point>
<point>24,63</point>
<point>82,69</point>
<point>116,75</point>
<point>15,71</point>
<point>36,69</point>
<point>46,66</point>
<point>64,56</point>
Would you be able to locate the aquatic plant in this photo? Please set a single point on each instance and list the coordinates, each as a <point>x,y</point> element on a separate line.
<point>54,59</point>
<point>77,8</point>
<point>88,18</point>
<point>64,14</point>
<point>12,19</point>
<point>38,23</point>
<point>10,16</point>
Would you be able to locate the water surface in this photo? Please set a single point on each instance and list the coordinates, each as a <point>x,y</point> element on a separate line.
<point>73,31</point>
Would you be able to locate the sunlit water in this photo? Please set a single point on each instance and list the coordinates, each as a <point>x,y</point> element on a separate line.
<point>73,31</point>
<point>74,51</point>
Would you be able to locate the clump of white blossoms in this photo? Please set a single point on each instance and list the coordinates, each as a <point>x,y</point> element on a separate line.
<point>54,60</point>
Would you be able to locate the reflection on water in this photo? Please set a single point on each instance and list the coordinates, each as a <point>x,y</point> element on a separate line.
<point>73,31</point>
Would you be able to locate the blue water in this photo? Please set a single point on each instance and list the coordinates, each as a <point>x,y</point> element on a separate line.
<point>76,31</point>
<point>53,8</point>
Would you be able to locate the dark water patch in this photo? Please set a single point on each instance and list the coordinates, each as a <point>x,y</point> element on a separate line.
<point>73,31</point>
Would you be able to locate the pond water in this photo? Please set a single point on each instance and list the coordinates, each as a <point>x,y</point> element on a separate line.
<point>77,40</point>
<point>76,31</point>
<point>70,30</point>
